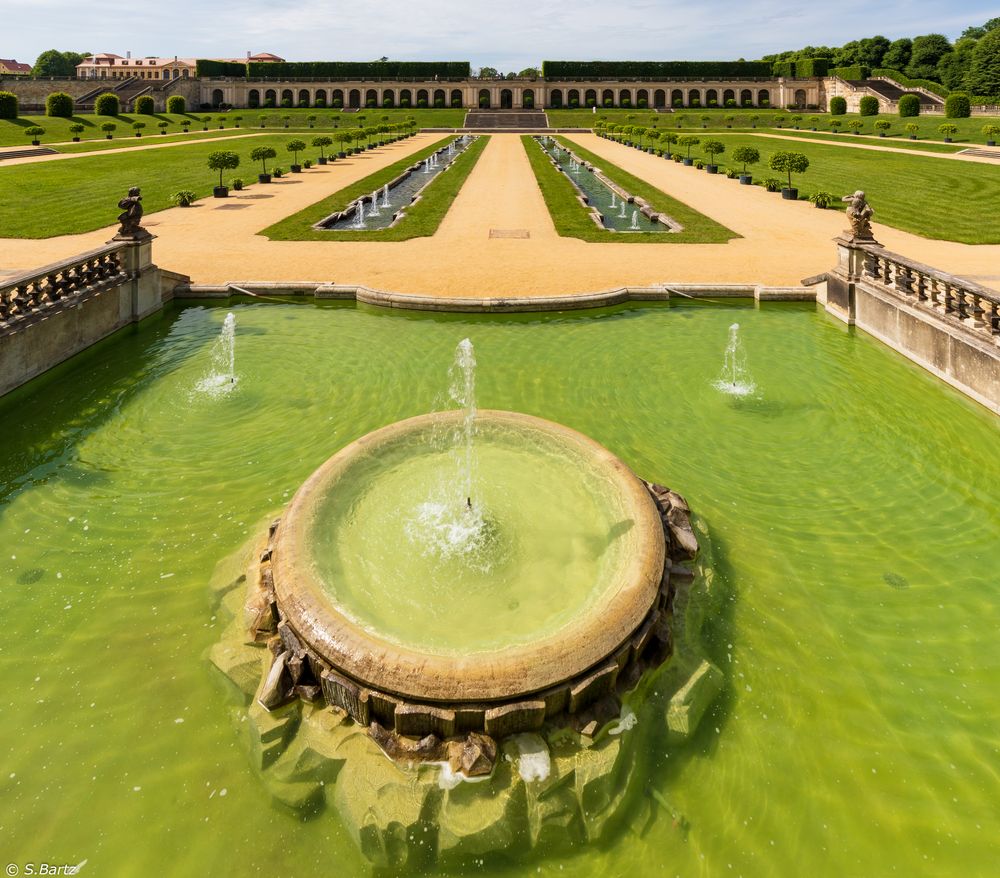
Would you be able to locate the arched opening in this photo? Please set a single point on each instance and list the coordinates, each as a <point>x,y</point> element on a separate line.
<point>388,98</point>
<point>216,97</point>
<point>677,98</point>
<point>405,97</point>
<point>608,97</point>
<point>694,98</point>
<point>319,98</point>
<point>800,97</point>
<point>371,98</point>
<point>484,98</point>
<point>177,73</point>
<point>303,97</point>
<point>590,98</point>
<point>573,97</point>
<point>506,99</point>
<point>746,98</point>
<point>659,99</point>
<point>456,97</point>
<point>729,98</point>
<point>528,99</point>
<point>642,98</point>
<point>422,97</point>
<point>270,98</point>
<point>354,99</point>
<point>439,97</point>
<point>337,98</point>
<point>712,98</point>
<point>625,98</point>
<point>763,98</point>
<point>286,97</point>
<point>556,98</point>
<point>253,98</point>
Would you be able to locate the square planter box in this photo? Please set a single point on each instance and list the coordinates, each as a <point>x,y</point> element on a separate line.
<point>263,178</point>
<point>220,192</point>
<point>790,194</point>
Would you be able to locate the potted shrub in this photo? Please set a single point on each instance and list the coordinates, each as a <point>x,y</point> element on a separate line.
<point>263,121</point>
<point>912,128</point>
<point>185,125</point>
<point>183,198</point>
<point>204,122</point>
<point>222,161</point>
<point>822,200</point>
<point>991,132</point>
<point>729,121</point>
<point>162,126</point>
<point>795,121</point>
<point>789,163</point>
<point>76,130</point>
<point>688,140</point>
<point>779,121</point>
<point>948,130</point>
<point>667,138</point>
<point>342,136</point>
<point>882,125</point>
<point>278,173</point>
<point>754,120</point>
<point>311,119</point>
<point>699,165</point>
<point>856,125</point>
<point>237,184</point>
<point>705,120</point>
<point>137,128</point>
<point>108,128</point>
<point>307,164</point>
<point>835,125</point>
<point>813,122</point>
<point>771,184</point>
<point>712,149</point>
<point>746,155</point>
<point>236,121</point>
<point>262,154</point>
<point>222,121</point>
<point>286,119</point>
<point>295,147</point>
<point>732,174</point>
<point>34,132</point>
<point>322,142</point>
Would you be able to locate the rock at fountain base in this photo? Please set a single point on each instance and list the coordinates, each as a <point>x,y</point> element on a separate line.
<point>474,756</point>
<point>690,702</point>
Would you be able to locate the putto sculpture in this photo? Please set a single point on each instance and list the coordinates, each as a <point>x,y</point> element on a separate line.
<point>859,214</point>
<point>131,216</point>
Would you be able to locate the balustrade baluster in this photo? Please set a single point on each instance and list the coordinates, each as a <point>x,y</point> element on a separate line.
<point>921,287</point>
<point>961,304</point>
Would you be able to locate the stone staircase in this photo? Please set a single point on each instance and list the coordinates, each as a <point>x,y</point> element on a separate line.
<point>507,120</point>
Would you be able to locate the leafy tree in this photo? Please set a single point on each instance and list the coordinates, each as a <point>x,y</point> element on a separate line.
<point>488,73</point>
<point>688,140</point>
<point>108,128</point>
<point>322,142</point>
<point>530,73</point>
<point>713,148</point>
<point>911,128</point>
<point>223,161</point>
<point>977,33</point>
<point>788,163</point>
<point>953,67</point>
<point>295,147</point>
<point>898,55</point>
<point>52,62</point>
<point>746,155</point>
<point>262,154</point>
<point>983,77</point>
<point>948,130</point>
<point>34,132</point>
<point>927,51</point>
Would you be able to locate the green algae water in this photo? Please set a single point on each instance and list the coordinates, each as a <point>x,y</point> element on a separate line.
<point>851,507</point>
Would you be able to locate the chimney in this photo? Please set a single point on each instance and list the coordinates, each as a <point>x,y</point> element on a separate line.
<point>248,54</point>
<point>128,54</point>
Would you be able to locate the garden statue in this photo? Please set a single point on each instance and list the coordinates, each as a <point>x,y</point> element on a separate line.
<point>859,213</point>
<point>131,216</point>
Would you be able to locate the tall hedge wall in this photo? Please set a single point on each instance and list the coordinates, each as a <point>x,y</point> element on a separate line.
<point>360,69</point>
<point>556,70</point>
<point>855,72</point>
<point>207,67</point>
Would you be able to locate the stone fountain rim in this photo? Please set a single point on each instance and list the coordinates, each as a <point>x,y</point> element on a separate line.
<point>479,677</point>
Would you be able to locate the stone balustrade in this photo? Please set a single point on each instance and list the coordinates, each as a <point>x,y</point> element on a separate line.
<point>954,298</point>
<point>31,294</point>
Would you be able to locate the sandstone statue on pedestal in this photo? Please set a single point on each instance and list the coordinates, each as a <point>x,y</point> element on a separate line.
<point>859,214</point>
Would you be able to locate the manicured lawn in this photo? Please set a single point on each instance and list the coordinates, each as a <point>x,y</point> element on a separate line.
<point>57,129</point>
<point>421,220</point>
<point>70,196</point>
<point>573,221</point>
<point>932,197</point>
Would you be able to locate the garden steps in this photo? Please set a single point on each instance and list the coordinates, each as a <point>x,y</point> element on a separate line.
<point>507,120</point>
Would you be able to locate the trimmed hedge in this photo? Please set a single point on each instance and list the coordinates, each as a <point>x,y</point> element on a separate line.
<point>107,104</point>
<point>806,67</point>
<point>838,106</point>
<point>957,105</point>
<point>8,105</point>
<point>555,70</point>
<point>909,105</point>
<point>176,104</point>
<point>933,87</point>
<point>144,105</point>
<point>784,68</point>
<point>855,72</point>
<point>868,105</point>
<point>360,69</point>
<point>59,104</point>
<point>207,67</point>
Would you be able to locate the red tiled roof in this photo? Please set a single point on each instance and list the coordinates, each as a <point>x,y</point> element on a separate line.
<point>15,66</point>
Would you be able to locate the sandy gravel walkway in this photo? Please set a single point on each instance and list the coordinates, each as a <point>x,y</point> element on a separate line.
<point>217,242</point>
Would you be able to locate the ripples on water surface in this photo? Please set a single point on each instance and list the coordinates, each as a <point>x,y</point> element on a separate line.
<point>853,512</point>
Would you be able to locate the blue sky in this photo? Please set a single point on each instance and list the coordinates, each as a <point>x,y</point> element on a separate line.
<point>508,35</point>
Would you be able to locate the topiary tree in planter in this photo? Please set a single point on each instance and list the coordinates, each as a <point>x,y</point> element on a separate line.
<point>8,105</point>
<point>204,122</point>
<point>76,130</point>
<point>107,104</point>
<point>109,129</point>
<point>991,132</point>
<point>222,121</point>
<point>186,125</point>
<point>909,105</point>
<point>838,106</point>
<point>713,148</point>
<point>286,120</point>
<point>137,128</point>
<point>912,128</point>
<point>262,154</point>
<point>667,138</point>
<point>311,119</point>
<point>343,136</point>
<point>835,125</point>
<point>688,140</point>
<point>295,147</point>
<point>322,142</point>
<point>948,130</point>
<point>34,132</point>
<point>957,106</point>
<point>705,120</point>
<point>868,105</point>
<point>162,126</point>
<point>729,121</point>
<point>222,161</point>
<point>789,163</point>
<point>176,105</point>
<point>144,105</point>
<point>236,121</point>
<point>856,125</point>
<point>881,126</point>
<point>59,104</point>
<point>746,155</point>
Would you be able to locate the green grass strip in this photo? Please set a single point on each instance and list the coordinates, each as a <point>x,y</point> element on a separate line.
<point>573,221</point>
<point>421,219</point>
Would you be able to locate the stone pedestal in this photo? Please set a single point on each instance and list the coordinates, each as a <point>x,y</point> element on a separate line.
<point>842,281</point>
<point>145,289</point>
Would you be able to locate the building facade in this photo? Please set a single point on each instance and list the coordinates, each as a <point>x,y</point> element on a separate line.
<point>108,65</point>
<point>10,67</point>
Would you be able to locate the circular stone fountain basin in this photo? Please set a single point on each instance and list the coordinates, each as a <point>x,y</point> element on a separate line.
<point>381,566</point>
